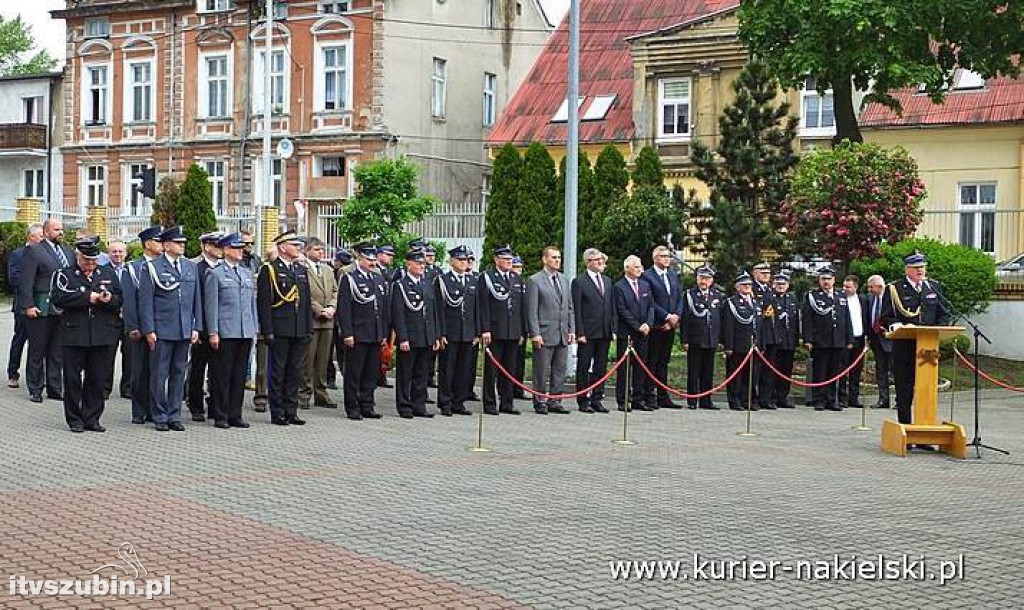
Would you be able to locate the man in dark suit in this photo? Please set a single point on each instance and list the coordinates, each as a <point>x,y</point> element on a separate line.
<point>701,334</point>
<point>502,328</point>
<point>286,325</point>
<point>593,302</point>
<point>881,347</point>
<point>668,309</point>
<point>44,349</point>
<point>117,251</point>
<point>860,322</point>
<point>741,321</point>
<point>90,327</point>
<point>635,313</point>
<point>200,374</point>
<point>419,329</point>
<point>362,330</point>
<point>457,296</point>
<point>34,236</point>
<point>914,299</point>
<point>138,348</point>
<point>827,332</point>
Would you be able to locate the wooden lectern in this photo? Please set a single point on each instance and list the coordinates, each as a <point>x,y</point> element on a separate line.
<point>925,429</point>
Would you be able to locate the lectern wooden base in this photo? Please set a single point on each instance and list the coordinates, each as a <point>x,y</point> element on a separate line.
<point>948,436</point>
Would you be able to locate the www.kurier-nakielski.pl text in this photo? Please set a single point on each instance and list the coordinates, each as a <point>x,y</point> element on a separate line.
<point>837,567</point>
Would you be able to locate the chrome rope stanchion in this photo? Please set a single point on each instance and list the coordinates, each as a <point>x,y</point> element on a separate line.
<point>479,446</point>
<point>952,391</point>
<point>863,427</point>
<point>629,399</point>
<point>750,391</point>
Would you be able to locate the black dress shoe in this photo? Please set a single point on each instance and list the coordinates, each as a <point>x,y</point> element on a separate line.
<point>833,408</point>
<point>491,411</point>
<point>432,384</point>
<point>711,407</point>
<point>540,410</point>
<point>95,428</point>
<point>106,396</point>
<point>880,405</point>
<point>355,416</point>
<point>786,405</point>
<point>692,406</point>
<point>384,384</point>
<point>462,411</point>
<point>304,405</point>
<point>424,414</point>
<point>475,398</point>
<point>510,411</point>
<point>925,447</point>
<point>126,395</point>
<point>138,420</point>
<point>736,408</point>
<point>35,397</point>
<point>77,429</point>
<point>198,417</point>
<point>259,408</point>
<point>668,404</point>
<point>621,407</point>
<point>160,427</point>
<point>176,426</point>
<point>856,405</point>
<point>598,407</point>
<point>239,423</point>
<point>819,408</point>
<point>446,412</point>
<point>371,415</point>
<point>55,396</point>
<point>223,425</point>
<point>641,407</point>
<point>652,406</point>
<point>406,415</point>
<point>327,405</point>
<point>295,421</point>
<point>558,409</point>
<point>428,400</point>
<point>586,409</point>
<point>768,407</point>
<point>279,421</point>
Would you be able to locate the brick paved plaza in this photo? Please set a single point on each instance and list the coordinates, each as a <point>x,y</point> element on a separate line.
<point>396,513</point>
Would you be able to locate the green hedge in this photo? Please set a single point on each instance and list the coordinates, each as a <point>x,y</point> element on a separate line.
<point>12,237</point>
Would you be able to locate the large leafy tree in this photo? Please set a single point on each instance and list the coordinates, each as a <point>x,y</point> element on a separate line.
<point>194,211</point>
<point>386,201</point>
<point>644,219</point>
<point>748,174</point>
<point>499,222</point>
<point>536,213</point>
<point>881,46</point>
<point>16,43</point>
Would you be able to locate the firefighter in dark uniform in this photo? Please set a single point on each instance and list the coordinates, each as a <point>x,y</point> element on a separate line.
<point>385,256</point>
<point>502,298</point>
<point>457,299</point>
<point>362,331</point>
<point>431,272</point>
<point>741,320</point>
<point>914,299</point>
<point>701,333</point>
<point>199,368</point>
<point>418,332</point>
<point>286,326</point>
<point>517,392</point>
<point>827,332</point>
<point>762,275</point>
<point>782,332</point>
<point>138,349</point>
<point>90,297</point>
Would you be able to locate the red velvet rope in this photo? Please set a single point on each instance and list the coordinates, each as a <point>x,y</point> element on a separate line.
<point>816,384</point>
<point>682,394</point>
<point>527,388</point>
<point>985,375</point>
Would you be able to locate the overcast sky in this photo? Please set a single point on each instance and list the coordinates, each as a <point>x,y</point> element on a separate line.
<point>49,33</point>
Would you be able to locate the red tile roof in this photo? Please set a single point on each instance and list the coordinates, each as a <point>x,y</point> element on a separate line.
<point>1001,101</point>
<point>605,68</point>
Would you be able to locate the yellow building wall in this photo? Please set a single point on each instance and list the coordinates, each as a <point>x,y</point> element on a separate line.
<point>950,156</point>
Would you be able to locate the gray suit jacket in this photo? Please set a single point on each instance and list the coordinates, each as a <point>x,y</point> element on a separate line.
<point>229,306</point>
<point>549,312</point>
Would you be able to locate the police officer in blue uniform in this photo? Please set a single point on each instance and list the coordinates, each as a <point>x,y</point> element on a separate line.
<point>502,298</point>
<point>286,325</point>
<point>419,330</point>
<point>90,325</point>
<point>741,321</point>
<point>170,316</point>
<point>701,334</point>
<point>913,299</point>
<point>229,314</point>
<point>138,349</point>
<point>362,330</point>
<point>457,299</point>
<point>827,332</point>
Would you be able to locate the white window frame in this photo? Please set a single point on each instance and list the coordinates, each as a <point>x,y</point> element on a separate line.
<point>132,199</point>
<point>490,101</point>
<point>97,27</point>
<point>675,102</point>
<point>94,185</point>
<point>809,94</point>
<point>980,213</point>
<point>343,50</point>
<point>320,165</point>
<point>215,6</point>
<point>34,183</point>
<point>438,87</point>
<point>278,181</point>
<point>208,82</point>
<point>217,172</point>
<point>490,20</point>
<point>334,8</point>
<point>88,110</point>
<point>131,111</point>
<point>285,81</point>
<point>35,102</point>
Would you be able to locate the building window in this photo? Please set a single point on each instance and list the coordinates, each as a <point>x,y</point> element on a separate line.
<point>132,198</point>
<point>216,176</point>
<point>674,101</point>
<point>278,82</point>
<point>35,183</point>
<point>141,84</point>
<point>32,110</point>
<point>96,95</point>
<point>489,21</point>
<point>276,177</point>
<point>978,216</point>
<point>280,10</point>
<point>335,77</point>
<point>217,78</point>
<point>818,111</point>
<point>334,7</point>
<point>213,6</point>
<point>97,27</point>
<point>329,167</point>
<point>438,88</point>
<point>490,98</point>
<point>95,185</point>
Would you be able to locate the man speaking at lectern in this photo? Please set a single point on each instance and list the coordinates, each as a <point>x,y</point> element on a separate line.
<point>910,300</point>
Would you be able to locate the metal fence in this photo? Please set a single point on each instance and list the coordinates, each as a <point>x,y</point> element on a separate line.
<point>71,220</point>
<point>455,224</point>
<point>998,232</point>
<point>327,228</point>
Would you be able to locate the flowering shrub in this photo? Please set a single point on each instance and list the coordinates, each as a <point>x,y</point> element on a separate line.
<point>845,202</point>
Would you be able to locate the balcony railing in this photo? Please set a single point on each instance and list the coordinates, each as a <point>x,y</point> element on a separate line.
<point>22,136</point>
<point>1000,232</point>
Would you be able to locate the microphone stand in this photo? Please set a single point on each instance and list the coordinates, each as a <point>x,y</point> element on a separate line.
<point>976,441</point>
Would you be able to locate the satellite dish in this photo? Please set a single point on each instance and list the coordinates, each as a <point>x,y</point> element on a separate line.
<point>285,149</point>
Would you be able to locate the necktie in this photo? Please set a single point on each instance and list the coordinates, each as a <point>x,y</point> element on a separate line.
<point>237,274</point>
<point>636,289</point>
<point>874,309</point>
<point>600,284</point>
<point>60,254</point>
<point>664,278</point>
<point>177,269</point>
<point>558,288</point>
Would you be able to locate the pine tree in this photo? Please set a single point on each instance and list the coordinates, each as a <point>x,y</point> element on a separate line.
<point>499,221</point>
<point>194,211</point>
<point>536,207</point>
<point>611,185</point>
<point>648,170</point>
<point>647,217</point>
<point>748,174</point>
<point>166,203</point>
<point>587,232</point>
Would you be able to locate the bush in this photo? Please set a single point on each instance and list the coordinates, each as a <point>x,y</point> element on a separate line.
<point>968,276</point>
<point>961,342</point>
<point>12,237</point>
